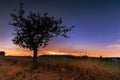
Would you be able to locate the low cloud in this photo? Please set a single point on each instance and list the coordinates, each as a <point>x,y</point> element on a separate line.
<point>114,46</point>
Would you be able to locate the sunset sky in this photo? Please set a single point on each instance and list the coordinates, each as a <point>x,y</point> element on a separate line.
<point>96,32</point>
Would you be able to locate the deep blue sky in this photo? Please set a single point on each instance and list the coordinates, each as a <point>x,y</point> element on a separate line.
<point>97,22</point>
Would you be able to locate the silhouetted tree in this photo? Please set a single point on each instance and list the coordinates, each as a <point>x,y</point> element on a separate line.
<point>2,53</point>
<point>35,30</point>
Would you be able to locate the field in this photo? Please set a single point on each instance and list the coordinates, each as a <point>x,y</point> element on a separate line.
<point>58,68</point>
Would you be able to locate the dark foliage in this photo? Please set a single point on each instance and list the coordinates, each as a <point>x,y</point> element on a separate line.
<point>35,30</point>
<point>2,53</point>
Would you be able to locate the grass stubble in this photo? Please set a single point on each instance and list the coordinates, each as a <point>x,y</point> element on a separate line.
<point>58,68</point>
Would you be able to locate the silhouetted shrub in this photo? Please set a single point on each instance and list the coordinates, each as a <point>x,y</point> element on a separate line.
<point>2,53</point>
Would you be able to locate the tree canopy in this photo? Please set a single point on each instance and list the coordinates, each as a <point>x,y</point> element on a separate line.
<point>35,30</point>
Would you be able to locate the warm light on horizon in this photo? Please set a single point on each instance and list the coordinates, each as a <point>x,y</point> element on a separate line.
<point>25,52</point>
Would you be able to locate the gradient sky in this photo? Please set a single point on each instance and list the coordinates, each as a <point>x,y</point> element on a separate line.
<point>97,26</point>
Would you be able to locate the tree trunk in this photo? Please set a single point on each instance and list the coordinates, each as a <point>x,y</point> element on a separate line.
<point>35,61</point>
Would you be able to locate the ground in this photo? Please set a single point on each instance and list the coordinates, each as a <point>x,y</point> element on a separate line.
<point>58,68</point>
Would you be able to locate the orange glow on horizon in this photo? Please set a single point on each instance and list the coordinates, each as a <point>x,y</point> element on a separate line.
<point>24,52</point>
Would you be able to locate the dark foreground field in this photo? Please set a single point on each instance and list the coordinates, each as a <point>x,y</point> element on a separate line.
<point>59,68</point>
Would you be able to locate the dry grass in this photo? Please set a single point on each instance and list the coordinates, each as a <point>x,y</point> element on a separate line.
<point>56,68</point>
